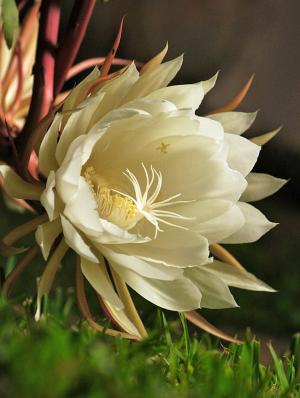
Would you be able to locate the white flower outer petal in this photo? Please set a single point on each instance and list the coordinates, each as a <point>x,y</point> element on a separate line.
<point>215,293</point>
<point>242,154</point>
<point>114,92</point>
<point>75,241</point>
<point>261,186</point>
<point>46,234</point>
<point>47,160</point>
<point>235,122</point>
<point>183,96</point>
<point>176,295</point>
<point>255,226</point>
<point>236,278</point>
<point>76,125</point>
<point>98,278</point>
<point>144,268</point>
<point>153,79</point>
<point>219,228</point>
<point>49,199</point>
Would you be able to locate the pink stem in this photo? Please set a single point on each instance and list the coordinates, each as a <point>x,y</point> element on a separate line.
<point>42,95</point>
<point>68,49</point>
<point>88,63</point>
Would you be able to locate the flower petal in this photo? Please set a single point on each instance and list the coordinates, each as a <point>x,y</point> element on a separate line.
<point>183,96</point>
<point>235,122</point>
<point>153,79</point>
<point>264,138</point>
<point>210,83</point>
<point>242,153</point>
<point>49,199</point>
<point>177,295</point>
<point>144,268</point>
<point>260,186</point>
<point>174,247</point>
<point>16,187</point>
<point>256,225</point>
<point>215,293</point>
<point>47,160</point>
<point>79,92</point>
<point>75,241</point>
<point>77,124</point>
<point>97,276</point>
<point>114,91</point>
<point>236,278</point>
<point>46,234</point>
<point>218,228</point>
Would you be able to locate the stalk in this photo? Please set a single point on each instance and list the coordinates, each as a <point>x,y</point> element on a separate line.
<point>18,270</point>
<point>42,94</point>
<point>130,308</point>
<point>68,49</point>
<point>85,310</point>
<point>24,229</point>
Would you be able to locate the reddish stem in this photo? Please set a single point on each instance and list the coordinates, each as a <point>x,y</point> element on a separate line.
<point>42,95</point>
<point>88,63</point>
<point>68,49</point>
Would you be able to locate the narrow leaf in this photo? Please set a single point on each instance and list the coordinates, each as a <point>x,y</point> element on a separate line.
<point>235,102</point>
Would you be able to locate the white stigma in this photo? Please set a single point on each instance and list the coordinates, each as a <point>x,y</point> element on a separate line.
<point>147,204</point>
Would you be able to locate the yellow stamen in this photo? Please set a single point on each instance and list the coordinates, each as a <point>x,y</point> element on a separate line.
<point>111,206</point>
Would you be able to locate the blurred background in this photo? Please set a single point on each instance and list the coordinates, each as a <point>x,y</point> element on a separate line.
<point>239,38</point>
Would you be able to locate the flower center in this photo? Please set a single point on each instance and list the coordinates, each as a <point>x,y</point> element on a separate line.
<point>112,206</point>
<point>125,210</point>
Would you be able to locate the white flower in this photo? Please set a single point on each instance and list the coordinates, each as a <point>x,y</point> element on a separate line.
<point>136,178</point>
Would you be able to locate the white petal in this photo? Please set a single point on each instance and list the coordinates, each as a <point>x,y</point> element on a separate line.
<point>242,154</point>
<point>153,106</point>
<point>173,247</point>
<point>75,241</point>
<point>210,83</point>
<point>256,225</point>
<point>155,78</point>
<point>49,199</point>
<point>77,125</point>
<point>210,128</point>
<point>215,293</point>
<point>183,96</point>
<point>115,90</point>
<point>79,92</point>
<point>67,176</point>
<point>97,276</point>
<point>122,319</point>
<point>82,210</point>
<point>235,122</point>
<point>264,138</point>
<point>142,267</point>
<point>46,234</point>
<point>47,161</point>
<point>236,278</point>
<point>178,295</point>
<point>69,173</point>
<point>217,229</point>
<point>260,186</point>
<point>16,187</point>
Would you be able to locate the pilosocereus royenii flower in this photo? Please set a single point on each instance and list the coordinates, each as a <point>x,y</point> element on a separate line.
<point>137,183</point>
